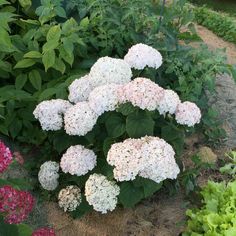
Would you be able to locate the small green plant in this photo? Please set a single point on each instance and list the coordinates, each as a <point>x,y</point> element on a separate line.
<point>230,168</point>
<point>217,215</point>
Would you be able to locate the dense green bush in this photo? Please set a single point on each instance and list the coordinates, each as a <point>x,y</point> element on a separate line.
<point>217,214</point>
<point>34,67</point>
<point>220,23</point>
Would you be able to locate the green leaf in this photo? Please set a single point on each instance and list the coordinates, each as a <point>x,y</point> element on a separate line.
<point>69,58</point>
<point>149,186</point>
<point>15,128</point>
<point>50,45</point>
<point>24,230</point>
<point>115,125</point>
<point>35,79</point>
<point>7,229</point>
<point>130,195</point>
<point>24,63</point>
<point>54,33</point>
<point>47,93</point>
<point>25,3</point>
<point>48,59</point>
<point>126,109</point>
<point>20,184</point>
<point>33,54</point>
<point>59,65</point>
<point>84,23</point>
<point>20,81</point>
<point>139,124</point>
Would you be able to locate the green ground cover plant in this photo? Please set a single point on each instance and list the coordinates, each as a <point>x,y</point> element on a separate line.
<point>216,216</point>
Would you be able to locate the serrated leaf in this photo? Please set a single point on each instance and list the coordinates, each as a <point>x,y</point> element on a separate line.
<point>139,124</point>
<point>20,81</point>
<point>35,79</point>
<point>48,59</point>
<point>24,63</point>
<point>115,125</point>
<point>130,195</point>
<point>47,93</point>
<point>50,45</point>
<point>59,65</point>
<point>33,54</point>
<point>54,33</point>
<point>24,230</point>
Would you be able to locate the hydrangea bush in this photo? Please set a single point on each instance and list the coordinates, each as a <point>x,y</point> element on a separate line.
<point>128,133</point>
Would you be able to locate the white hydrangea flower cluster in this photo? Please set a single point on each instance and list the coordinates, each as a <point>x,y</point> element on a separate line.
<point>101,193</point>
<point>79,119</point>
<point>127,159</point>
<point>109,70</point>
<point>142,92</point>
<point>169,102</point>
<point>49,113</point>
<point>141,55</point>
<point>48,175</point>
<point>104,98</point>
<point>149,157</point>
<point>78,160</point>
<point>188,113</point>
<point>80,89</point>
<point>159,160</point>
<point>69,198</point>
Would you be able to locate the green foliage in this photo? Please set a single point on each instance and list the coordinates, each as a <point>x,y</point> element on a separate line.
<point>230,168</point>
<point>221,24</point>
<point>217,215</point>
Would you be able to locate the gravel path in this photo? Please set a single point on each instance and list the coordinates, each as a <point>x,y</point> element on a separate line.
<point>225,99</point>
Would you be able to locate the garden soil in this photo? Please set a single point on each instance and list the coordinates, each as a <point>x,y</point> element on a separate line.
<point>161,215</point>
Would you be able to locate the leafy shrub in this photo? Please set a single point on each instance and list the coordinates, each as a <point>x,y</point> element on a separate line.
<point>217,215</point>
<point>220,23</point>
<point>230,168</point>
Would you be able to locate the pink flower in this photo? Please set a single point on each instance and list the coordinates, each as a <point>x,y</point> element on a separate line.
<point>44,232</point>
<point>15,204</point>
<point>5,157</point>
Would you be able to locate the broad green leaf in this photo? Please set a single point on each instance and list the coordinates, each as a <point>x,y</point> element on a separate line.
<point>15,128</point>
<point>20,81</point>
<point>66,57</point>
<point>130,195</point>
<point>126,109</point>
<point>47,93</point>
<point>139,124</point>
<point>59,65</point>
<point>35,79</point>
<point>25,3</point>
<point>48,59</point>
<point>24,63</point>
<point>33,54</point>
<point>84,23</point>
<point>115,125</point>
<point>7,229</point>
<point>24,230</point>
<point>3,2</point>
<point>50,45</point>
<point>54,33</point>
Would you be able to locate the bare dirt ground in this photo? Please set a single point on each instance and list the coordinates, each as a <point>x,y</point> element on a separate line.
<point>161,215</point>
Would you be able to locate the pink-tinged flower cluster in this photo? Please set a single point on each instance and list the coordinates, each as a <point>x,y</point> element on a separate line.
<point>5,157</point>
<point>44,232</point>
<point>188,113</point>
<point>15,204</point>
<point>142,92</point>
<point>149,157</point>
<point>141,55</point>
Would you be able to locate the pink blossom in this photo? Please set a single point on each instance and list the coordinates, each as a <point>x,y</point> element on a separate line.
<point>15,204</point>
<point>5,157</point>
<point>44,232</point>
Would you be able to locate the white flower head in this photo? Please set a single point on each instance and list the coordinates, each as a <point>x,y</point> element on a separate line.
<point>169,102</point>
<point>49,113</point>
<point>159,162</point>
<point>141,55</point>
<point>69,198</point>
<point>127,159</point>
<point>101,193</point>
<point>48,175</point>
<point>104,98</point>
<point>109,70</point>
<point>142,92</point>
<point>188,113</point>
<point>80,119</point>
<point>78,160</point>
<point>80,89</point>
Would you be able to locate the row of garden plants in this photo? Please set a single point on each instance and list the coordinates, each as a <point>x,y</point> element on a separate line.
<point>220,23</point>
<point>106,96</point>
